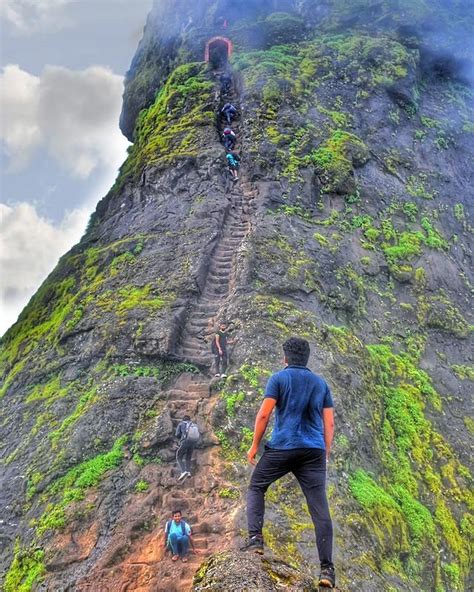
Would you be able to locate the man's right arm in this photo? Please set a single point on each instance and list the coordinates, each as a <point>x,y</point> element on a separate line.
<point>328,422</point>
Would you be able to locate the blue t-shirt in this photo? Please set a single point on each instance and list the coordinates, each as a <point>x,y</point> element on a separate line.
<point>300,398</point>
<point>176,528</point>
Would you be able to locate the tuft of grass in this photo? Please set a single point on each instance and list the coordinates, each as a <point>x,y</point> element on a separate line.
<point>26,570</point>
<point>142,486</point>
<point>229,493</point>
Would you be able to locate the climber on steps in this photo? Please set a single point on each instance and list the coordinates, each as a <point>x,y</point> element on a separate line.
<point>229,138</point>
<point>229,112</point>
<point>300,444</point>
<point>233,160</point>
<point>219,349</point>
<point>188,434</point>
<point>178,537</point>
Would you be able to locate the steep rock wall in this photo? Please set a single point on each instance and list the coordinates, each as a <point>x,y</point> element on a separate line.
<point>355,203</point>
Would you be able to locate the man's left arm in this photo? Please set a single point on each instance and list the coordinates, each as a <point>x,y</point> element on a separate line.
<point>261,423</point>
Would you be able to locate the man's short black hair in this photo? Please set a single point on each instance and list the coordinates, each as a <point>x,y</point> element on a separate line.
<point>296,351</point>
<point>177,512</point>
<point>186,418</point>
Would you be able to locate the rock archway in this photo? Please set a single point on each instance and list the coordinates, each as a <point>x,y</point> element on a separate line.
<point>218,51</point>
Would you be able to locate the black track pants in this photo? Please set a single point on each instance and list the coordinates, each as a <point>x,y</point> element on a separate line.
<point>308,465</point>
<point>221,362</point>
<point>184,454</point>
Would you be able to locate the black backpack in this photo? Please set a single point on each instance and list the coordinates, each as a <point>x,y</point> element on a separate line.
<point>168,527</point>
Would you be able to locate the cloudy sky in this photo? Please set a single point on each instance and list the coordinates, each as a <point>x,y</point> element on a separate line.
<point>62,67</point>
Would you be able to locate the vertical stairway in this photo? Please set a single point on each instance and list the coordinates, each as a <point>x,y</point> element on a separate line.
<point>194,345</point>
<point>142,567</point>
<point>195,340</point>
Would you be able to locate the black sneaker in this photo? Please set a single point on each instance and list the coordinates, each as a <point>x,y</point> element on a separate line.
<point>327,577</point>
<point>255,544</point>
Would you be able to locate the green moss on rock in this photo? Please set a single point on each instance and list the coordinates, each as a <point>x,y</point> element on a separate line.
<point>169,129</point>
<point>27,569</point>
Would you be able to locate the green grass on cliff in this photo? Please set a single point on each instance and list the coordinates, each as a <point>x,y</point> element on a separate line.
<point>73,486</point>
<point>170,128</point>
<point>296,75</point>
<point>60,304</point>
<point>26,570</point>
<point>421,470</point>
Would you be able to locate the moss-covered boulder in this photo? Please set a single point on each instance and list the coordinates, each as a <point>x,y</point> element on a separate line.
<point>246,571</point>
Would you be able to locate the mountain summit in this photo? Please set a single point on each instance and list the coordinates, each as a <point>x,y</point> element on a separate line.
<point>349,226</point>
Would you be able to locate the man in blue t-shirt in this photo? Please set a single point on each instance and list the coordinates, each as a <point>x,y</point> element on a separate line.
<point>300,444</point>
<point>178,537</point>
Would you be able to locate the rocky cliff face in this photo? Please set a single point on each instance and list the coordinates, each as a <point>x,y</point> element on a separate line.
<point>349,226</point>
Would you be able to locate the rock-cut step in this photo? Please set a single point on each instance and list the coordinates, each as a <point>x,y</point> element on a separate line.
<point>177,395</point>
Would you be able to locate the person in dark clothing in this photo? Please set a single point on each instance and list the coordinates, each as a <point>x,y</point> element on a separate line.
<point>229,138</point>
<point>219,349</point>
<point>188,435</point>
<point>226,82</point>
<point>229,112</point>
<point>300,444</point>
<point>233,160</point>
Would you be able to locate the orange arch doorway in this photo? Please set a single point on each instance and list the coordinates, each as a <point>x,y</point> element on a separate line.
<point>218,51</point>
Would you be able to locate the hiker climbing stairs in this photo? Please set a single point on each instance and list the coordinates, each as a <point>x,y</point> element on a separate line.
<point>194,345</point>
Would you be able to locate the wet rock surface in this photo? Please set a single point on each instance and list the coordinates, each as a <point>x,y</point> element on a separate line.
<point>350,225</point>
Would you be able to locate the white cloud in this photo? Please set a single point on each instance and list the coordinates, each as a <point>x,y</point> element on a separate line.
<point>19,127</point>
<point>71,114</point>
<point>30,246</point>
<point>33,15</point>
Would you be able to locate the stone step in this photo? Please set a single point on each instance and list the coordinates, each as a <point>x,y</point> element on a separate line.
<point>215,278</point>
<point>223,258</point>
<point>198,325</point>
<point>206,307</point>
<point>192,341</point>
<point>196,357</point>
<point>218,280</point>
<point>200,387</point>
<point>236,234</point>
<point>223,295</point>
<point>235,231</point>
<point>218,285</point>
<point>200,543</point>
<point>219,273</point>
<point>175,395</point>
<point>204,361</point>
<point>190,349</point>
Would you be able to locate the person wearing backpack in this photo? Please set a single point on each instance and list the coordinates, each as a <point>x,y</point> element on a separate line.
<point>188,434</point>
<point>229,112</point>
<point>233,161</point>
<point>229,138</point>
<point>178,537</point>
